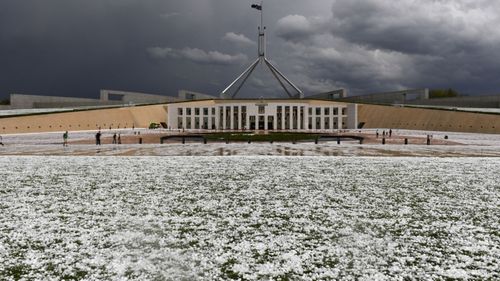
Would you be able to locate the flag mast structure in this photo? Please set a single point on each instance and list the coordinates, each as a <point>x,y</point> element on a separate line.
<point>261,59</point>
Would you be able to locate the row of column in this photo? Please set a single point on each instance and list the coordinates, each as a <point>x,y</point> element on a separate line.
<point>301,120</point>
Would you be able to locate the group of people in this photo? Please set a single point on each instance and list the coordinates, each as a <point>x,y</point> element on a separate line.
<point>117,139</point>
<point>384,133</point>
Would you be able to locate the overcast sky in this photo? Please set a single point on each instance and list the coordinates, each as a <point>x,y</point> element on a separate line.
<point>75,48</point>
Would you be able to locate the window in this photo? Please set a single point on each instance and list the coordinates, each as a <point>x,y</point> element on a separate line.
<point>270,122</point>
<point>243,117</point>
<point>344,111</point>
<point>327,111</point>
<point>196,111</point>
<point>302,117</point>
<point>279,116</point>
<point>335,111</point>
<point>197,122</point>
<point>294,117</point>
<point>235,118</point>
<point>221,117</point>
<point>262,109</point>
<point>287,118</point>
<point>310,111</point>
<point>179,111</point>
<point>205,111</point>
<point>228,117</point>
<point>213,110</point>
<point>318,110</point>
<point>205,123</point>
<point>188,111</point>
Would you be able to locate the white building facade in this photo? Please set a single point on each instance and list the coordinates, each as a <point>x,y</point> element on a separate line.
<point>258,114</point>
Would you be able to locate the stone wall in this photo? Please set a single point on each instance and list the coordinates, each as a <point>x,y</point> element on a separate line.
<point>379,116</point>
<point>473,102</point>
<point>126,117</point>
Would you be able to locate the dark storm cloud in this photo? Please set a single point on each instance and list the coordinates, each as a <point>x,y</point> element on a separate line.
<point>414,26</point>
<point>62,47</point>
<point>371,45</point>
<point>70,47</point>
<point>75,48</point>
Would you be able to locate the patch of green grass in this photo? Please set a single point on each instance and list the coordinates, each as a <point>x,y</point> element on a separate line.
<point>227,269</point>
<point>284,277</point>
<point>16,272</point>
<point>78,275</point>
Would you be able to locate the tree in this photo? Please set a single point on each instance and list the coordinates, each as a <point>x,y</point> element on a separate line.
<point>443,93</point>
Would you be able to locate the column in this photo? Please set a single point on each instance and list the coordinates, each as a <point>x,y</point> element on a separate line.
<point>339,118</point>
<point>209,118</point>
<point>240,117</point>
<point>275,121</point>
<point>306,118</point>
<point>223,118</point>
<point>283,117</point>
<point>217,117</point>
<point>331,118</point>
<point>352,116</point>
<point>231,117</point>
<point>248,117</point>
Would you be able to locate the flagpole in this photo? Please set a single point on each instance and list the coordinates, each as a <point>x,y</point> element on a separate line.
<point>262,14</point>
<point>263,28</point>
<point>261,59</point>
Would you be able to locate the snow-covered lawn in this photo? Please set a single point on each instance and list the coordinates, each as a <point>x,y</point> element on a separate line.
<point>252,218</point>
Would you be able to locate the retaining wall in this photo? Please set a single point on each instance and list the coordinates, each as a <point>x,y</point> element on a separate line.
<point>126,117</point>
<point>377,116</point>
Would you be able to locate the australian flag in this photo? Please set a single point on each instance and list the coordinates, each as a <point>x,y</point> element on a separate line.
<point>258,7</point>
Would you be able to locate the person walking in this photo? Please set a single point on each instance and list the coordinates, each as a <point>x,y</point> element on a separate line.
<point>114,138</point>
<point>119,138</point>
<point>1,142</point>
<point>98,138</point>
<point>65,138</point>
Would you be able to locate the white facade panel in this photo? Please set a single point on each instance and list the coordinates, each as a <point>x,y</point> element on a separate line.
<point>276,115</point>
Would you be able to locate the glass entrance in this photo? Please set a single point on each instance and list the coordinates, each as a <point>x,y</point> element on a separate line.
<point>252,122</point>
<point>261,122</point>
<point>270,122</point>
